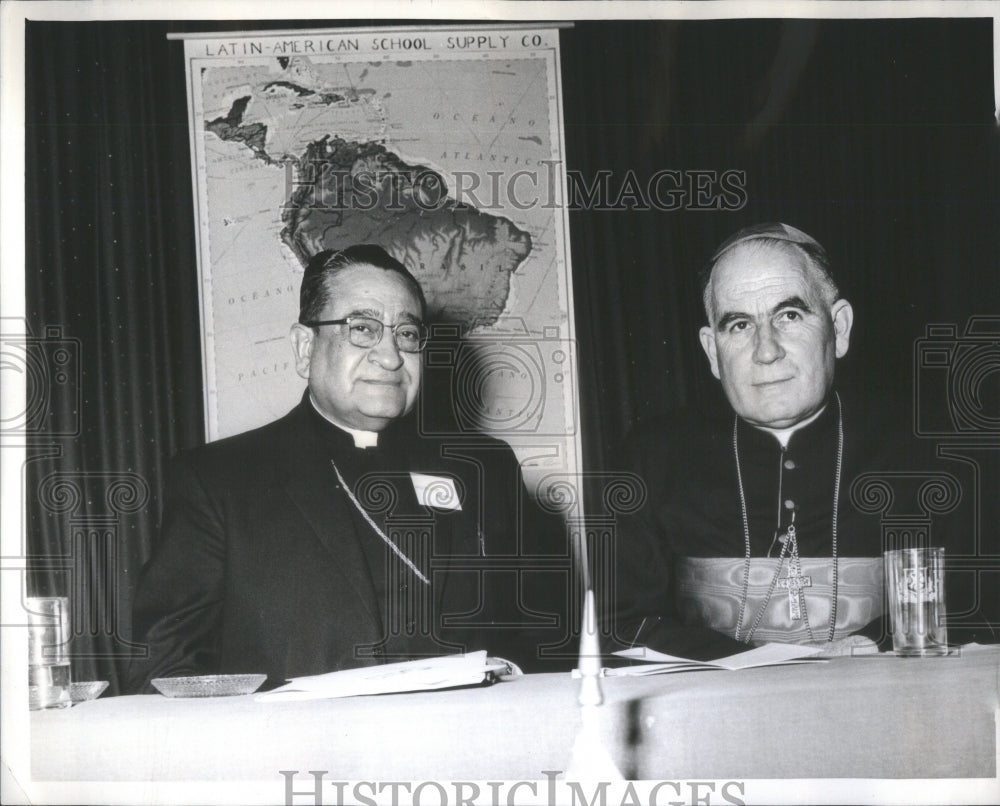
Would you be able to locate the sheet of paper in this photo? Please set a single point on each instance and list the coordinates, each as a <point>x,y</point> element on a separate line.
<point>647,669</point>
<point>651,655</point>
<point>768,655</point>
<point>424,674</point>
<point>660,663</point>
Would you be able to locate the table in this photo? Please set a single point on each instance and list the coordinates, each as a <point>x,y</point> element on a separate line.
<point>864,717</point>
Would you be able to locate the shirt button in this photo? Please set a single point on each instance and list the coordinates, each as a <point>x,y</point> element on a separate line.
<point>789,503</point>
<point>789,464</point>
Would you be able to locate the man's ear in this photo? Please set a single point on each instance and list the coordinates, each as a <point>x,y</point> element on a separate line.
<point>707,336</point>
<point>843,319</point>
<point>301,338</point>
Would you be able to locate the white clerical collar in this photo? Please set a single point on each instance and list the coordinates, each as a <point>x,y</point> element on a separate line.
<point>783,435</point>
<point>362,439</point>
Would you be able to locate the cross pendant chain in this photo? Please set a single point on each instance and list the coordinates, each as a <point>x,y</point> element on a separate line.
<point>795,581</point>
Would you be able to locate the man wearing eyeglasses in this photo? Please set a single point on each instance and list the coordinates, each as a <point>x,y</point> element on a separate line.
<point>363,373</point>
<point>332,537</point>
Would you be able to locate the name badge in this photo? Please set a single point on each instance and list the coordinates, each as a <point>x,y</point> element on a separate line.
<point>438,492</point>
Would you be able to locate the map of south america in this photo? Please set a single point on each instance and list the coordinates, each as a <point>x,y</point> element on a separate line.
<point>347,192</point>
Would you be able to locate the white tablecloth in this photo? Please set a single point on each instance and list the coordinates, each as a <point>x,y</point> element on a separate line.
<point>865,717</point>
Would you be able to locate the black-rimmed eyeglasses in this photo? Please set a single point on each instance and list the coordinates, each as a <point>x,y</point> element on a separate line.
<point>363,331</point>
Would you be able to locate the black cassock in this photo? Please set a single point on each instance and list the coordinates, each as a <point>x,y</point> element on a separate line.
<point>266,565</point>
<point>682,580</point>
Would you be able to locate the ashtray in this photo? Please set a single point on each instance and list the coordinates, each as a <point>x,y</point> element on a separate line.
<point>89,690</point>
<point>210,685</point>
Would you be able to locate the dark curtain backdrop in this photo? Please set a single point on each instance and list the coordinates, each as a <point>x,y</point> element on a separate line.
<point>877,137</point>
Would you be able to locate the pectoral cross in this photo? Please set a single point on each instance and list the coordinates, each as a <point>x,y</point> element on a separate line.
<point>794,582</point>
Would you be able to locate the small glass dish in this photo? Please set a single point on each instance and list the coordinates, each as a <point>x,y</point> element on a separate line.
<point>87,690</point>
<point>210,685</point>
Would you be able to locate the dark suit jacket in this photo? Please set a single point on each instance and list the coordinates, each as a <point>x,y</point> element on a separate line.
<point>264,565</point>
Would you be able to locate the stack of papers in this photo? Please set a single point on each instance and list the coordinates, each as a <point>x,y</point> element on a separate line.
<point>425,674</point>
<point>766,655</point>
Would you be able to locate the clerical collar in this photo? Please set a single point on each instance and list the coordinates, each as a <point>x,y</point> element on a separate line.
<point>362,439</point>
<point>783,435</point>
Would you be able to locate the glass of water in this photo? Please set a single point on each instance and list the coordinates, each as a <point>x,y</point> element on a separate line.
<point>49,679</point>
